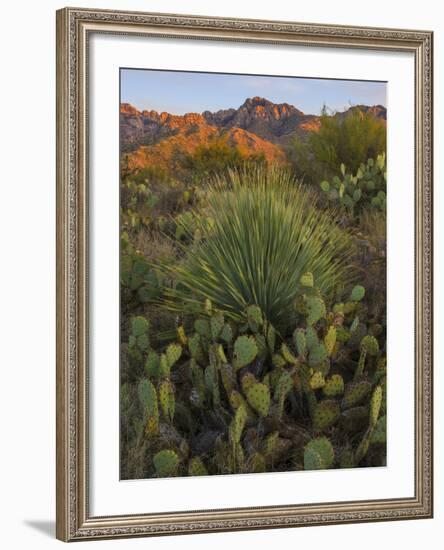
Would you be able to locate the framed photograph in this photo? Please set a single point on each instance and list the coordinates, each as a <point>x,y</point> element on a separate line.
<point>244,274</point>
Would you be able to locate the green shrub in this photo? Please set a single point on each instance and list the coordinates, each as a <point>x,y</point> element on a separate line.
<point>348,139</point>
<point>216,158</point>
<point>265,234</point>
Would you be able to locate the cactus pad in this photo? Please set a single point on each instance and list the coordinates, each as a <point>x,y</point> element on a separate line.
<point>357,293</point>
<point>226,333</point>
<point>173,353</point>
<point>370,345</point>
<point>196,467</point>
<point>375,406</point>
<point>355,393</point>
<point>287,355</point>
<point>379,435</point>
<point>167,399</point>
<point>330,340</point>
<point>245,350</point>
<point>258,396</point>
<point>202,327</point>
<point>300,341</point>
<point>317,355</point>
<point>316,309</point>
<point>139,326</point>
<point>254,317</point>
<point>152,364</point>
<point>317,381</point>
<point>166,463</point>
<point>238,423</point>
<point>216,325</point>
<point>307,280</point>
<point>334,386</point>
<point>148,397</point>
<point>318,454</point>
<point>325,414</point>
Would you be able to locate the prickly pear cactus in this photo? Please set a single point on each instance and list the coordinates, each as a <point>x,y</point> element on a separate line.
<point>300,341</point>
<point>148,398</point>
<point>238,424</point>
<point>306,280</point>
<point>370,345</point>
<point>356,393</point>
<point>330,340</point>
<point>334,386</point>
<point>357,294</point>
<point>325,414</point>
<point>245,350</point>
<point>196,467</point>
<point>254,318</point>
<point>166,463</point>
<point>152,364</point>
<point>316,309</point>
<point>173,353</point>
<point>258,397</point>
<point>318,454</point>
<point>167,399</point>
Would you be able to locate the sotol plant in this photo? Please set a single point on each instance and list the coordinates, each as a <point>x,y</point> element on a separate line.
<point>265,235</point>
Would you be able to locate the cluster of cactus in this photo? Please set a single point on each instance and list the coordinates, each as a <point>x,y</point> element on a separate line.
<point>229,397</point>
<point>137,278</point>
<point>363,190</point>
<point>139,207</point>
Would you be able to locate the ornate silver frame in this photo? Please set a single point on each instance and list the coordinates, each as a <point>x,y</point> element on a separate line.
<point>73,519</point>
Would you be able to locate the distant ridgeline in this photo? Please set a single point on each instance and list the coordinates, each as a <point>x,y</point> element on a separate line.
<point>257,127</point>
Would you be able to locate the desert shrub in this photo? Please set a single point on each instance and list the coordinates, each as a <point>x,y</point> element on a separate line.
<point>264,233</point>
<point>361,192</point>
<point>348,140</point>
<point>235,397</point>
<point>216,158</point>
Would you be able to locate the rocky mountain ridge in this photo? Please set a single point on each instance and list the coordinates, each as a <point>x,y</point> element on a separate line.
<point>274,122</point>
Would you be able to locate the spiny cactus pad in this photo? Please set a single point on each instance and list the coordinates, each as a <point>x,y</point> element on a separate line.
<point>355,393</point>
<point>325,414</point>
<point>334,386</point>
<point>148,397</point>
<point>166,463</point>
<point>375,406</point>
<point>216,325</point>
<point>173,353</point>
<point>196,467</point>
<point>330,340</point>
<point>287,355</point>
<point>317,381</point>
<point>152,364</point>
<point>245,350</point>
<point>357,293</point>
<point>318,454</point>
<point>202,327</point>
<point>258,396</point>
<point>238,423</point>
<point>307,280</point>
<point>316,309</point>
<point>317,355</point>
<point>300,341</point>
<point>254,317</point>
<point>139,326</point>
<point>370,345</point>
<point>226,333</point>
<point>167,399</point>
<point>248,380</point>
<point>379,435</point>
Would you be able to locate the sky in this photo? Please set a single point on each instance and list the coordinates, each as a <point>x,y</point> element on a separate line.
<point>180,92</point>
